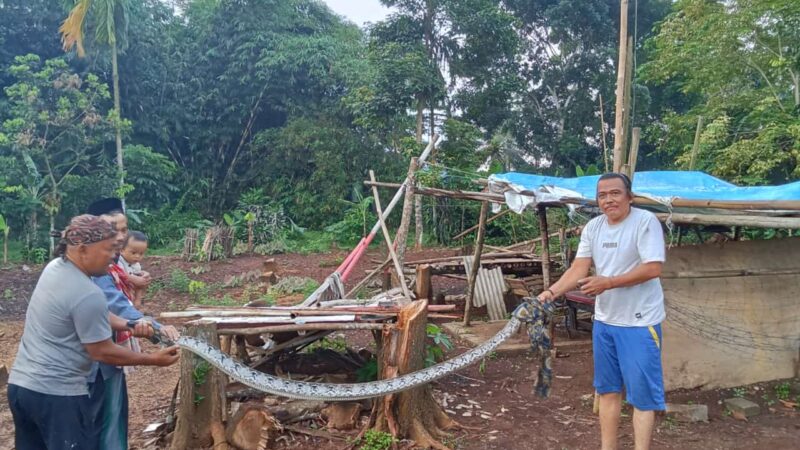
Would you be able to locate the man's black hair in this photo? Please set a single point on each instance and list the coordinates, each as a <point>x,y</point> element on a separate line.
<point>618,176</point>
<point>135,236</point>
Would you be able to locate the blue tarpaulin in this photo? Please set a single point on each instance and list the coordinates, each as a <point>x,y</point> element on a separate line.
<point>522,190</point>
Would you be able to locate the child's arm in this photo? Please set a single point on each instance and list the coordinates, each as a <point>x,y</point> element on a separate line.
<point>139,281</point>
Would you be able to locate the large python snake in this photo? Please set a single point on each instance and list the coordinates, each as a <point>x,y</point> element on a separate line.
<point>356,391</point>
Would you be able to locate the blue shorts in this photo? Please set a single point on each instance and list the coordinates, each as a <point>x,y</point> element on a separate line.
<point>629,357</point>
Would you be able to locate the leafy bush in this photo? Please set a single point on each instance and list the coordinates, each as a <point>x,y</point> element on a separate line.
<point>375,440</point>
<point>179,281</point>
<point>440,343</point>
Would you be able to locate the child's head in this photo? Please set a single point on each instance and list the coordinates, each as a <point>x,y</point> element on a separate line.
<point>135,247</point>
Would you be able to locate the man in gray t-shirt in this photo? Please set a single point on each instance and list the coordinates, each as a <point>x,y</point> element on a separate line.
<point>626,246</point>
<point>68,325</point>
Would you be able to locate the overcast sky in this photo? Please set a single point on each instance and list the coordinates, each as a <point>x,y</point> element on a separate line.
<point>359,11</point>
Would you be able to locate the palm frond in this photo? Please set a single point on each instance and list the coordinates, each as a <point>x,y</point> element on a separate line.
<point>72,28</point>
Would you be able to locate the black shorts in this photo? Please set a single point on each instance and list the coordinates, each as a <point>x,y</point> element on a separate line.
<point>51,422</point>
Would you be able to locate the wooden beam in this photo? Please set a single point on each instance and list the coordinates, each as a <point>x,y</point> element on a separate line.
<point>728,273</point>
<point>475,227</point>
<point>476,262</point>
<point>733,220</point>
<point>388,239</point>
<point>620,109</point>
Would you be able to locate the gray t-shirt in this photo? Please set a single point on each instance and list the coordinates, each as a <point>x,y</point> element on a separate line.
<point>618,249</point>
<point>66,311</point>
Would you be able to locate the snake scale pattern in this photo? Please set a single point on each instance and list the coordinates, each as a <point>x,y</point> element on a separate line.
<point>341,392</point>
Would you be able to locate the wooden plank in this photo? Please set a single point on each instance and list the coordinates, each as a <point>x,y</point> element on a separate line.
<point>732,220</point>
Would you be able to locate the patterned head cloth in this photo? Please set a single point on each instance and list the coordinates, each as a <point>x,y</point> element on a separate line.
<point>87,229</point>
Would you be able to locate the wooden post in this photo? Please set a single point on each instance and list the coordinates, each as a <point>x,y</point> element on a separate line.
<point>202,394</point>
<point>603,133</point>
<point>626,118</point>
<point>562,239</point>
<point>388,239</point>
<point>423,287</point>
<point>634,153</point>
<point>476,262</point>
<point>696,145</point>
<point>620,111</point>
<point>411,414</point>
<point>546,281</point>
<point>401,237</point>
<point>542,213</point>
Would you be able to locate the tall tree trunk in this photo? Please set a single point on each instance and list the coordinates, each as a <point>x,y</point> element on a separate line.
<point>118,124</point>
<point>418,224</point>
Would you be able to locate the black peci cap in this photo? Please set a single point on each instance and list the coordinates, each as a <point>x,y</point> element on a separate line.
<point>105,206</point>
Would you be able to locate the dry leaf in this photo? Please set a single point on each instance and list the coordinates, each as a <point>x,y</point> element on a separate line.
<point>738,415</point>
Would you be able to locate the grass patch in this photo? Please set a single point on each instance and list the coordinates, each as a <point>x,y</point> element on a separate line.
<point>290,286</point>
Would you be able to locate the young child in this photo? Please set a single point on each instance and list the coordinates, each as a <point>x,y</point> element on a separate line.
<point>130,259</point>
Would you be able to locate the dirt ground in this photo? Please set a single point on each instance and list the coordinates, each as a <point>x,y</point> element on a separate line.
<point>494,401</point>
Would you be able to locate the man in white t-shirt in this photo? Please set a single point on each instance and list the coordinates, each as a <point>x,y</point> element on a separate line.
<point>627,248</point>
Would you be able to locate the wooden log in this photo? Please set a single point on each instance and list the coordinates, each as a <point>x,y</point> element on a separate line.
<point>202,394</point>
<point>476,263</point>
<point>411,414</point>
<point>732,220</point>
<point>475,227</point>
<point>252,427</point>
<point>423,288</point>
<point>388,239</point>
<point>728,273</point>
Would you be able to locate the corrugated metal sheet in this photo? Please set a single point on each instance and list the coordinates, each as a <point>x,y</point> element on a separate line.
<point>490,289</point>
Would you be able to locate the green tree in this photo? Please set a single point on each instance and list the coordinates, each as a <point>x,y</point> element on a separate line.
<point>110,22</point>
<point>56,129</point>
<point>737,64</point>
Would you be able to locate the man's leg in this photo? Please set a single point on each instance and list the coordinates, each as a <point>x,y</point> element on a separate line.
<point>610,408</point>
<point>607,383</point>
<point>114,435</point>
<point>640,362</point>
<point>27,435</point>
<point>643,422</point>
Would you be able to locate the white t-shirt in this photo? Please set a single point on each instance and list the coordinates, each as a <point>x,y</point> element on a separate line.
<point>618,249</point>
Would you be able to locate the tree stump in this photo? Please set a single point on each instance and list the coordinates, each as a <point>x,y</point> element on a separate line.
<point>252,428</point>
<point>202,396</point>
<point>411,414</point>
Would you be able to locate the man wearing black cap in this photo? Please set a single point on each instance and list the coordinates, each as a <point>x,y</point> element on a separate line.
<point>107,384</point>
<point>67,325</point>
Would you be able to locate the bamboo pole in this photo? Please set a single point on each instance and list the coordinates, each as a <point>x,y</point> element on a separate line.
<point>476,262</point>
<point>696,145</point>
<point>388,238</point>
<point>627,109</point>
<point>542,213</point>
<point>620,109</point>
<point>475,227</point>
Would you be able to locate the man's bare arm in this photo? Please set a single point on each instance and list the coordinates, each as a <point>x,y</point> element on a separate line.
<point>637,275</point>
<point>110,353</point>
<point>578,270</point>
